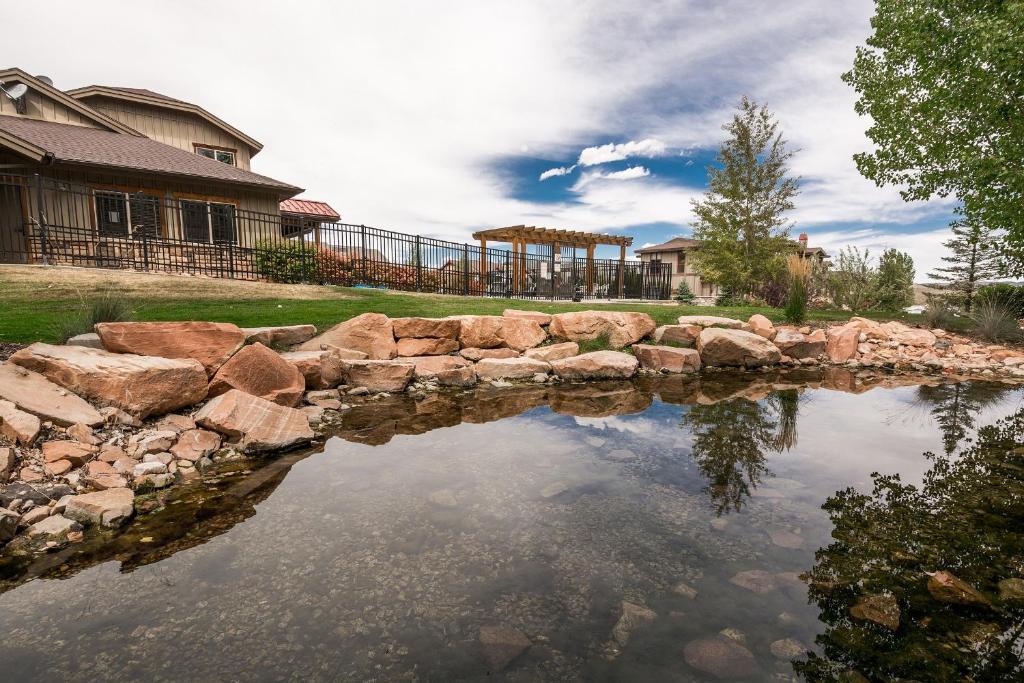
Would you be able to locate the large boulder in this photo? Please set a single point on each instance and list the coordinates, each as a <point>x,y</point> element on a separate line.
<point>667,358</point>
<point>257,424</point>
<point>536,316</point>
<point>209,343</point>
<point>710,321</point>
<point>17,425</point>
<point>371,333</point>
<point>842,343</point>
<point>871,329</point>
<point>426,346</point>
<point>422,328</point>
<point>281,335</point>
<point>319,369</point>
<point>730,347</point>
<point>111,508</point>
<point>261,372</point>
<point>553,351</point>
<point>141,385</point>
<point>378,375</point>
<point>33,393</point>
<point>510,368</point>
<point>428,367</point>
<point>621,328</point>
<point>596,365</point>
<point>761,326</point>
<point>677,335</point>
<point>796,345</point>
<point>492,331</point>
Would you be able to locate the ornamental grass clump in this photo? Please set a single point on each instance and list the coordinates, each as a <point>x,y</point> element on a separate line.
<point>109,307</point>
<point>798,269</point>
<point>996,322</point>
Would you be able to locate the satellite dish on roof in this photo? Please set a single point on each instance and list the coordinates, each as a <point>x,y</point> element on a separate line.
<point>45,79</point>
<point>16,91</point>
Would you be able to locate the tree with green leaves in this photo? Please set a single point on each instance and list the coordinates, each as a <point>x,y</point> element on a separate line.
<point>740,219</point>
<point>894,288</point>
<point>852,282</point>
<point>941,81</point>
<point>973,260</point>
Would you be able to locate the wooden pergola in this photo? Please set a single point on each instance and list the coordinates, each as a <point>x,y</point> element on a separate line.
<point>520,236</point>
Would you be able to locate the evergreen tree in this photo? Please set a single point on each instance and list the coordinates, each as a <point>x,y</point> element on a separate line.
<point>740,219</point>
<point>974,259</point>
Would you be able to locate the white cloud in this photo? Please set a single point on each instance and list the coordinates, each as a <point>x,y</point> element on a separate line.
<point>592,156</point>
<point>555,172</point>
<point>628,173</point>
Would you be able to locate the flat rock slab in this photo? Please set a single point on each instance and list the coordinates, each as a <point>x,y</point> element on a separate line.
<point>621,328</point>
<point>427,367</point>
<point>510,368</point>
<point>35,394</point>
<point>536,316</point>
<point>426,346</point>
<point>797,345</point>
<point>209,343</point>
<point>370,333</point>
<point>282,335</point>
<point>421,328</point>
<point>493,331</point>
<point>667,358</point>
<point>379,375</point>
<point>475,354</point>
<point>258,424</point>
<point>596,365</point>
<point>553,351</point>
<point>110,508</point>
<point>735,348</point>
<point>17,425</point>
<point>53,527</point>
<point>141,385</point>
<point>710,321</point>
<point>261,372</point>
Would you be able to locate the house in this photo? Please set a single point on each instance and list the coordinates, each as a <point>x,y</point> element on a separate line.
<point>678,254</point>
<point>87,173</point>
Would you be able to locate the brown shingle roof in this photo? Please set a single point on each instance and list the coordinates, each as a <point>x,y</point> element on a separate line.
<point>94,147</point>
<point>673,244</point>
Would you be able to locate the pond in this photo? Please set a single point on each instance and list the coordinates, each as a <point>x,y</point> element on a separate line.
<point>505,532</point>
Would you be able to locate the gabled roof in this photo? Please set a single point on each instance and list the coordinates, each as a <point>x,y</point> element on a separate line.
<point>674,244</point>
<point>143,96</point>
<point>49,142</point>
<point>19,76</point>
<point>311,208</point>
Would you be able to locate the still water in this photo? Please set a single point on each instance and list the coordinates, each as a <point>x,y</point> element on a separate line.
<point>733,514</point>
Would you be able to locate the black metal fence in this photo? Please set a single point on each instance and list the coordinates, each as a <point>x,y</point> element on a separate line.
<point>43,220</point>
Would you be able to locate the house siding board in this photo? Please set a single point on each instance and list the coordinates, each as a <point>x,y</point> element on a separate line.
<point>174,128</point>
<point>40,107</point>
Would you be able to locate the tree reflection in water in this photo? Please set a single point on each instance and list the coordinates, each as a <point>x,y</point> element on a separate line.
<point>955,407</point>
<point>731,439</point>
<point>966,518</point>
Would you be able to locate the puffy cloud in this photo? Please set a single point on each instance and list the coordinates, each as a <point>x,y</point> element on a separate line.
<point>555,172</point>
<point>631,173</point>
<point>592,156</point>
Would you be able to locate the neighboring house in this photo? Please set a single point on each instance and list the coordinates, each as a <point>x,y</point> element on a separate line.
<point>678,254</point>
<point>100,164</point>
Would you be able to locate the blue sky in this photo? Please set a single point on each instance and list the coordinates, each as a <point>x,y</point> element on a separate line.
<point>439,118</point>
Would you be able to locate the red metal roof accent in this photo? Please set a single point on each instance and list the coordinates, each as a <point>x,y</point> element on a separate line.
<point>309,207</point>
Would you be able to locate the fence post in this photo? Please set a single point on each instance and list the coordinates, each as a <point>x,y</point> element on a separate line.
<point>553,278</point>
<point>231,260</point>
<point>419,265</point>
<point>41,218</point>
<point>362,250</point>
<point>145,252</point>
<point>465,269</point>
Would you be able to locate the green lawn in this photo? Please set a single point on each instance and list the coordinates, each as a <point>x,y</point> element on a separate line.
<point>33,309</point>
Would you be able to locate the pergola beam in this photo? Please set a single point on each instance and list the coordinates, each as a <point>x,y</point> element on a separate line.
<point>533,235</point>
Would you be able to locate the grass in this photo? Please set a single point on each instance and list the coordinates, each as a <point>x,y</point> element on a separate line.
<point>33,301</point>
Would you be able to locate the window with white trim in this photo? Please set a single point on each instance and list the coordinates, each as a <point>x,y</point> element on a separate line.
<point>127,214</point>
<point>207,221</point>
<point>222,155</point>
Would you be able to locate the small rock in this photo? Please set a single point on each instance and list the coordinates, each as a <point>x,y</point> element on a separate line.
<point>755,580</point>
<point>621,455</point>
<point>685,590</point>
<point>880,609</point>
<point>110,508</point>
<point>57,467</point>
<point>82,433</point>
<point>196,443</point>
<point>784,538</point>
<point>8,524</point>
<point>787,649</point>
<point>55,526</point>
<point>721,657</point>
<point>144,468</point>
<point>444,498</point>
<point>502,644</point>
<point>945,587</point>
<point>632,617</point>
<point>17,425</point>
<point>553,489</point>
<point>163,457</point>
<point>1011,590</point>
<point>76,453</point>
<point>36,514</point>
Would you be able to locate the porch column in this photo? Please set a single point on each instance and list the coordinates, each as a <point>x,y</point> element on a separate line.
<point>622,269</point>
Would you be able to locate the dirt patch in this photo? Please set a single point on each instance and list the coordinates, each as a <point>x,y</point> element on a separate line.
<point>60,282</point>
<point>7,350</point>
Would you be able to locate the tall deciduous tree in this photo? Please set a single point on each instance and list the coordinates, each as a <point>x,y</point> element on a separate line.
<point>895,285</point>
<point>942,82</point>
<point>741,218</point>
<point>974,259</point>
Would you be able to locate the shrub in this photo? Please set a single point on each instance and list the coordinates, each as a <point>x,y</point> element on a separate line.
<point>110,307</point>
<point>995,321</point>
<point>286,261</point>
<point>727,298</point>
<point>684,294</point>
<point>894,288</point>
<point>1011,296</point>
<point>852,282</point>
<point>799,271</point>
<point>938,314</point>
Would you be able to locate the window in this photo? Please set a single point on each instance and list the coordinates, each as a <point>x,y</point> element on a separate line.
<point>222,155</point>
<point>207,221</point>
<point>124,214</point>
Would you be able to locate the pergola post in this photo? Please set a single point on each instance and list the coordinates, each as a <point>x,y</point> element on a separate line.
<point>590,269</point>
<point>483,263</point>
<point>622,269</point>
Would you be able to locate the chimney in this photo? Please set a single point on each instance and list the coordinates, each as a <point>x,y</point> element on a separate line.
<point>803,240</point>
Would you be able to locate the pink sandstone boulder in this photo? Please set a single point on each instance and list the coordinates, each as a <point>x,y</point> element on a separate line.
<point>710,321</point>
<point>310,365</point>
<point>677,335</point>
<point>730,347</point>
<point>110,508</point>
<point>872,329</point>
<point>34,394</point>
<point>761,326</point>
<point>492,331</point>
<point>428,367</point>
<point>257,424</point>
<point>17,425</point>
<point>915,337</point>
<point>410,346</point>
<point>797,345</point>
<point>76,453</point>
<point>379,375</point>
<point>195,444</point>
<point>464,376</point>
<point>553,351</point>
<point>842,343</point>
<point>423,328</point>
<point>279,336</point>
<point>141,385</point>
<point>474,354</point>
<point>510,368</point>
<point>371,333</point>
<point>541,319</point>
<point>261,372</point>
<point>621,329</point>
<point>209,343</point>
<point>667,358</point>
<point>343,353</point>
<point>596,365</point>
